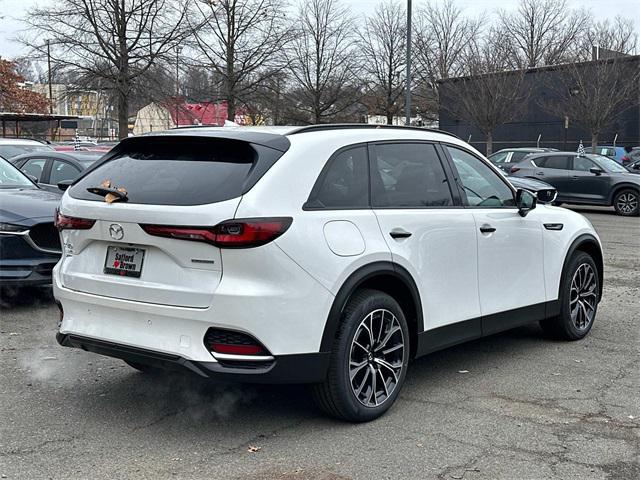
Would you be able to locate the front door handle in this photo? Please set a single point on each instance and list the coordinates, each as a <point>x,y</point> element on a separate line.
<point>399,233</point>
<point>487,228</point>
<point>575,177</point>
<point>540,174</point>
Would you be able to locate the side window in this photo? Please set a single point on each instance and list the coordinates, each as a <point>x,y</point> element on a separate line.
<point>34,167</point>
<point>408,175</point>
<point>344,182</point>
<point>483,187</point>
<point>62,171</point>
<point>499,157</point>
<point>558,162</point>
<point>582,164</point>
<point>517,156</point>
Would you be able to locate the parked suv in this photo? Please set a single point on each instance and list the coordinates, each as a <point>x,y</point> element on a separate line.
<point>585,179</point>
<point>328,255</point>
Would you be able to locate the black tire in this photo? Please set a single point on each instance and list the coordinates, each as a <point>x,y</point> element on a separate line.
<point>627,202</point>
<point>337,396</point>
<point>141,367</point>
<point>565,325</point>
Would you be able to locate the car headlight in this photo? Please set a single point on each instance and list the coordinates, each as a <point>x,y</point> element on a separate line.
<point>10,228</point>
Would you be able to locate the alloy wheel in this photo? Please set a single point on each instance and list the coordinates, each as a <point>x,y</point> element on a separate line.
<point>376,358</point>
<point>583,296</point>
<point>627,202</point>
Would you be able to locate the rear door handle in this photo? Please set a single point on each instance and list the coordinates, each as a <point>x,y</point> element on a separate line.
<point>399,233</point>
<point>540,174</point>
<point>575,177</point>
<point>487,229</point>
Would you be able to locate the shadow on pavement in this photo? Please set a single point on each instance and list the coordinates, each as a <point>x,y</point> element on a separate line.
<point>11,297</point>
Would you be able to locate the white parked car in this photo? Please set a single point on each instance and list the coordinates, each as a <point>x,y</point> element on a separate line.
<point>12,147</point>
<point>329,255</point>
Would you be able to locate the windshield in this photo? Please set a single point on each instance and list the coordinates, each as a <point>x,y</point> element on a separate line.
<point>8,151</point>
<point>608,164</point>
<point>11,177</point>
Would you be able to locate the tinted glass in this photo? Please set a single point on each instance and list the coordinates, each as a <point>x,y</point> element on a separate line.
<point>517,156</point>
<point>174,171</point>
<point>582,164</point>
<point>408,175</point>
<point>483,187</point>
<point>34,167</point>
<point>499,157</point>
<point>8,151</point>
<point>344,182</point>
<point>11,177</point>
<point>558,162</point>
<point>61,171</point>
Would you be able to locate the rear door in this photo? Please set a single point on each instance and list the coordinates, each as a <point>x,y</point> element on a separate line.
<point>427,230</point>
<point>171,182</point>
<point>585,186</point>
<point>554,169</point>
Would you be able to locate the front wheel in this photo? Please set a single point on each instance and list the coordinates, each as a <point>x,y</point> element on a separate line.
<point>579,297</point>
<point>626,203</point>
<point>369,359</point>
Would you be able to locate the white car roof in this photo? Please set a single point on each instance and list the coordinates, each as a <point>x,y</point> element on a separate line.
<point>19,141</point>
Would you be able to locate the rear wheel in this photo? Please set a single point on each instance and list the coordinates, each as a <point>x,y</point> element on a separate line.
<point>369,359</point>
<point>626,202</point>
<point>579,298</point>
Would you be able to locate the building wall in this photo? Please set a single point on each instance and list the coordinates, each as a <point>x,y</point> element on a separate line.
<point>535,121</point>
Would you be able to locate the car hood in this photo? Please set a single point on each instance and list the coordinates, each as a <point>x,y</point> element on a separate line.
<point>27,206</point>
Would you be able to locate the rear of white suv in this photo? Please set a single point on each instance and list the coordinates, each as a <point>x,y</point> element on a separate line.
<point>328,255</point>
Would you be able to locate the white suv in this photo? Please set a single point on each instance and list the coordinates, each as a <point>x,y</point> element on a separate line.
<point>329,255</point>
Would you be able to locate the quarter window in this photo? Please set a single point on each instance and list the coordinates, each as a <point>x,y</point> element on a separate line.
<point>482,186</point>
<point>344,183</point>
<point>408,175</point>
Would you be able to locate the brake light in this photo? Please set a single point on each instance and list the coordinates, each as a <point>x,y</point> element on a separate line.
<point>240,233</point>
<point>63,222</point>
<point>514,169</point>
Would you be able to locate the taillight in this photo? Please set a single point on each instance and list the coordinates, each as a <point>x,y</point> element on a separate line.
<point>240,233</point>
<point>514,169</point>
<point>63,222</point>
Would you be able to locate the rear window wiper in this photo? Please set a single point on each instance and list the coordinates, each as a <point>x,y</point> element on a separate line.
<point>110,193</point>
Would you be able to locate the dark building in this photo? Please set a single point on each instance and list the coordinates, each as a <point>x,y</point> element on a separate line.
<point>535,120</point>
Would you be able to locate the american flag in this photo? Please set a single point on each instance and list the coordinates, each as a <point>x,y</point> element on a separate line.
<point>581,150</point>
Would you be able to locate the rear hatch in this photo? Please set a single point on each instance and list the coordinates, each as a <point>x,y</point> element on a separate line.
<point>174,181</point>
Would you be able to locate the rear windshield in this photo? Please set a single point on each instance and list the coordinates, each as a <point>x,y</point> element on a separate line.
<point>175,171</point>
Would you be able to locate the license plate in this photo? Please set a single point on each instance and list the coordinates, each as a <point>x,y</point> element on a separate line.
<point>124,261</point>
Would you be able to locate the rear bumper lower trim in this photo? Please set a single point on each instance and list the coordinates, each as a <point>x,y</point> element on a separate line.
<point>291,369</point>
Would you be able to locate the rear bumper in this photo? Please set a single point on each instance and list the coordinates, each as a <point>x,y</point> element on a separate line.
<point>291,369</point>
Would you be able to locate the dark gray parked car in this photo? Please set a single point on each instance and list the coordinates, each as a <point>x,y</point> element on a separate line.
<point>588,179</point>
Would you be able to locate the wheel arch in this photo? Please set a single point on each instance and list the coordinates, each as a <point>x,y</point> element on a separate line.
<point>618,187</point>
<point>389,278</point>
<point>589,244</point>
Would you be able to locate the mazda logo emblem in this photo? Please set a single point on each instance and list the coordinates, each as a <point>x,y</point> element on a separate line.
<point>116,231</point>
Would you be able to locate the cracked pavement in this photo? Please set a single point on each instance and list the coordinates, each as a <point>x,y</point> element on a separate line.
<point>529,408</point>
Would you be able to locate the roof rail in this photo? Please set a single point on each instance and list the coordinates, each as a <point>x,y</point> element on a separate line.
<point>341,126</point>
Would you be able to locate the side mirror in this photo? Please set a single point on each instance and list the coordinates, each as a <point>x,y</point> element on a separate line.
<point>525,201</point>
<point>596,170</point>
<point>64,184</point>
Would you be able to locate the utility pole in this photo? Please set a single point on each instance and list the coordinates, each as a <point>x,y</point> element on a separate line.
<point>407,102</point>
<point>49,75</point>
<point>178,50</point>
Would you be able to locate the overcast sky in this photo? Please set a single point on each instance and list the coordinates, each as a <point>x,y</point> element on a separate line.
<point>12,10</point>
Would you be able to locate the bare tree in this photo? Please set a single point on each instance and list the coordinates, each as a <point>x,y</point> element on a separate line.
<point>442,36</point>
<point>323,62</point>
<point>488,96</point>
<point>116,41</point>
<point>542,32</point>
<point>240,40</point>
<point>618,36</point>
<point>594,94</point>
<point>383,48</point>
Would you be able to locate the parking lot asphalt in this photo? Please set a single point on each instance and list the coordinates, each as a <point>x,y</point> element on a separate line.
<point>512,406</point>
